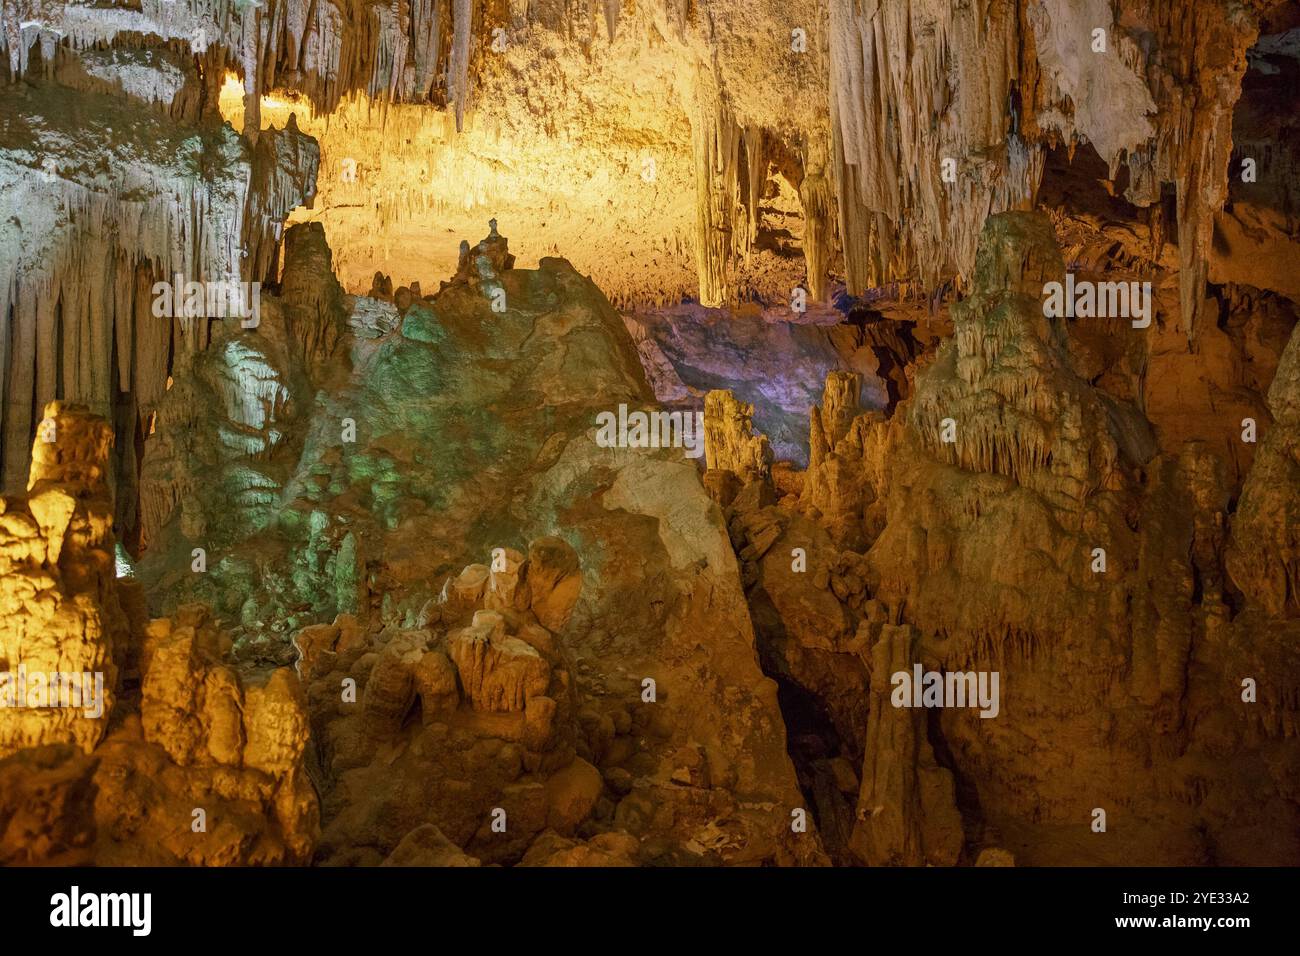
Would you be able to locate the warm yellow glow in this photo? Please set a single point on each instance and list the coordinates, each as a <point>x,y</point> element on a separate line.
<point>399,189</point>
<point>596,160</point>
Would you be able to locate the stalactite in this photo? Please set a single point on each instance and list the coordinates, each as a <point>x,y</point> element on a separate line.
<point>928,159</point>
<point>248,55</point>
<point>611,18</point>
<point>815,193</point>
<point>77,275</point>
<point>426,27</point>
<point>1188,139</point>
<point>756,180</point>
<point>897,117</point>
<point>324,50</point>
<point>458,64</point>
<point>726,216</point>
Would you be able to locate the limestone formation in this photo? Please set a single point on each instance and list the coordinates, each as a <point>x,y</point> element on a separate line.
<point>729,441</point>
<point>47,801</point>
<point>63,632</point>
<point>969,505</point>
<point>907,812</point>
<point>498,672</point>
<point>1264,557</point>
<point>194,722</point>
<point>1054,538</point>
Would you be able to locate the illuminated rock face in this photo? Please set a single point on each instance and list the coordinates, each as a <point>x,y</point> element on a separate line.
<point>1051,543</point>
<point>89,177</point>
<point>196,727</point>
<point>561,680</point>
<point>762,149</point>
<point>62,630</point>
<point>386,536</point>
<point>212,772</point>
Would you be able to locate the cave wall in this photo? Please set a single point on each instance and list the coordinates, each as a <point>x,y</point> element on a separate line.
<point>721,152</point>
<point>710,150</point>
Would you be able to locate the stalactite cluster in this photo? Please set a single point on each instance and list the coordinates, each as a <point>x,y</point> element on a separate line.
<point>942,115</point>
<point>96,222</point>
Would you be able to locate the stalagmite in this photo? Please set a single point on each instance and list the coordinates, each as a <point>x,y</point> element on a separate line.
<point>907,812</point>
<point>729,441</point>
<point>62,630</point>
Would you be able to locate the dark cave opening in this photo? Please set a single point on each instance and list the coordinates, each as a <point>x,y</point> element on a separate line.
<point>812,741</point>
<point>967,793</point>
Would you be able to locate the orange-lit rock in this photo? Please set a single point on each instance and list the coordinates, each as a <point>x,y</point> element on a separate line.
<point>61,626</point>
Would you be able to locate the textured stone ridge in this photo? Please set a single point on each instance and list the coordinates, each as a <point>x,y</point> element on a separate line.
<point>1264,556</point>
<point>516,609</point>
<point>1054,541</point>
<point>59,608</point>
<point>1003,389</point>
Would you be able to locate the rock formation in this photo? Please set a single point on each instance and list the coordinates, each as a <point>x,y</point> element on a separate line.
<point>1264,559</point>
<point>951,511</point>
<point>63,633</point>
<point>127,740</point>
<point>1047,539</point>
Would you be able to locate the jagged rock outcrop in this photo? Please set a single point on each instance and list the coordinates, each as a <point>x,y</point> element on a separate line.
<point>1061,551</point>
<point>229,428</point>
<point>558,683</point>
<point>1264,555</point>
<point>845,463</point>
<point>212,770</point>
<point>1003,398</point>
<point>63,633</point>
<point>730,443</point>
<point>1137,616</point>
<point>202,764</point>
<point>907,811</point>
